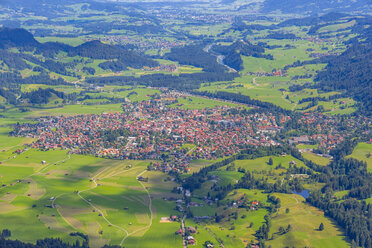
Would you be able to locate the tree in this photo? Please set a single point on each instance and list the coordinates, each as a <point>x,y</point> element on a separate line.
<point>321,227</point>
<point>270,161</point>
<point>6,233</point>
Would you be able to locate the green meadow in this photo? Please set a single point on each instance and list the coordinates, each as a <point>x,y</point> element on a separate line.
<point>262,164</point>
<point>304,220</point>
<point>99,197</point>
<point>316,159</point>
<point>193,102</point>
<point>78,110</point>
<point>363,152</point>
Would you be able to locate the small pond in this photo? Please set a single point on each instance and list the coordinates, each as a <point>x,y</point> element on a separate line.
<point>304,193</point>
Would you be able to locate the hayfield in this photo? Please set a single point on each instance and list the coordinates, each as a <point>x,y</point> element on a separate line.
<point>304,220</point>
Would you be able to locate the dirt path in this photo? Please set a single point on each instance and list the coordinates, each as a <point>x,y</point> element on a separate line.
<point>150,209</point>
<point>284,98</point>
<point>127,233</point>
<point>55,163</point>
<point>254,81</point>
<point>96,208</point>
<point>36,173</point>
<point>292,205</point>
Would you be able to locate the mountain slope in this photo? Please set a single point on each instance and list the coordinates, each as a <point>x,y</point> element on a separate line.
<point>16,37</point>
<point>316,6</point>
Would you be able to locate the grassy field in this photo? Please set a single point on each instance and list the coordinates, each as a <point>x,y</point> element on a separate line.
<point>65,40</point>
<point>264,89</point>
<point>362,152</point>
<point>230,231</point>
<point>282,56</point>
<point>63,88</point>
<point>96,188</point>
<point>304,221</point>
<point>275,89</point>
<point>193,102</point>
<point>261,164</point>
<point>78,109</point>
<point>316,159</point>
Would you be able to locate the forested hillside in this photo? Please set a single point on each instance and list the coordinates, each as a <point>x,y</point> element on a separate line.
<point>350,72</point>
<point>232,54</point>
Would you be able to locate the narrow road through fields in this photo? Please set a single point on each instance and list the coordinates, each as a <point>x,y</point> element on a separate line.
<point>183,231</point>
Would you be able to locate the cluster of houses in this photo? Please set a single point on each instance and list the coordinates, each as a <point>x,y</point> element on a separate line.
<point>275,73</point>
<point>167,68</point>
<point>253,205</point>
<point>152,128</point>
<point>327,131</point>
<point>175,14</point>
<point>188,234</point>
<point>142,44</point>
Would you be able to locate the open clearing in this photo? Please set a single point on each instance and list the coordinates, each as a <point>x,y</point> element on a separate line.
<point>363,151</point>
<point>304,221</point>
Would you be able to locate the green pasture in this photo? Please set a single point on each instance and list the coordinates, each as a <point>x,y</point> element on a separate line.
<point>69,41</point>
<point>193,102</point>
<point>316,159</point>
<point>304,220</point>
<point>64,88</point>
<point>232,232</point>
<point>226,177</point>
<point>261,164</point>
<point>336,27</point>
<point>78,110</point>
<point>363,152</point>
<point>118,195</point>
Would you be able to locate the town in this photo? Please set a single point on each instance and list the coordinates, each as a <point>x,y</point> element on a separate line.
<point>155,130</point>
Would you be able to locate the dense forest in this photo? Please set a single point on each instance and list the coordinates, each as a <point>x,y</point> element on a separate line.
<point>120,58</point>
<point>195,55</point>
<point>41,96</point>
<point>182,82</point>
<point>16,38</point>
<point>10,84</point>
<point>313,20</point>
<point>245,100</point>
<point>232,53</point>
